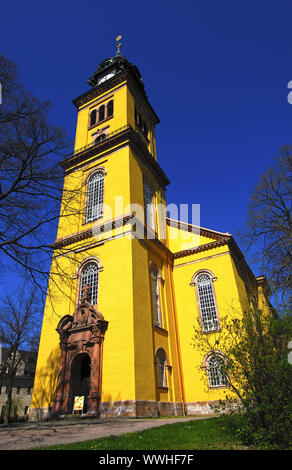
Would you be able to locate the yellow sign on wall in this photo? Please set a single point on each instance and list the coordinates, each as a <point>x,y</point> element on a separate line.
<point>78,404</point>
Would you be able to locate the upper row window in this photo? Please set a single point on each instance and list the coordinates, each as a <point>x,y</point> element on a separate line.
<point>101,113</point>
<point>89,277</point>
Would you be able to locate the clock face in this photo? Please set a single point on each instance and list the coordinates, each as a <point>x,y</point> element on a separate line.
<point>105,77</point>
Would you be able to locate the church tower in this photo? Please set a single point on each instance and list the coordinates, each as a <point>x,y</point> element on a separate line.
<point>127,286</point>
<point>118,250</point>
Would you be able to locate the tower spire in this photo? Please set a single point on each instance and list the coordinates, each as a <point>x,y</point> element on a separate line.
<point>118,39</point>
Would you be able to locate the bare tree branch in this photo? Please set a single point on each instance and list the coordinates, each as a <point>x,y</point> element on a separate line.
<point>268,232</point>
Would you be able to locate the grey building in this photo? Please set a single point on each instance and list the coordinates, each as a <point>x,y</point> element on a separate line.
<point>22,383</point>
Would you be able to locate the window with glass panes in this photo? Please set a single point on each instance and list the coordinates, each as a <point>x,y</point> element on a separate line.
<point>95,191</point>
<point>155,295</point>
<point>89,277</point>
<point>216,372</point>
<point>207,302</point>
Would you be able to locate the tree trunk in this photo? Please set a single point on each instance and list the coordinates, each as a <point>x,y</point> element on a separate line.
<point>9,399</point>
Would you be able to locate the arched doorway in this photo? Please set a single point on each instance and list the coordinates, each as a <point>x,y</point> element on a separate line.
<point>80,365</point>
<point>80,379</point>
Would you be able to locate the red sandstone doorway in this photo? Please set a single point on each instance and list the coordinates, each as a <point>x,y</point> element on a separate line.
<point>80,379</point>
<point>80,365</point>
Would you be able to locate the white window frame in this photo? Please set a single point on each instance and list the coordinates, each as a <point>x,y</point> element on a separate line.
<point>216,376</point>
<point>95,197</point>
<point>160,366</point>
<point>206,301</point>
<point>90,279</point>
<point>155,296</point>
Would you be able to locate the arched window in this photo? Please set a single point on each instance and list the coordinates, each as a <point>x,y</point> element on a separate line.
<point>92,117</point>
<point>216,371</point>
<point>95,190</point>
<point>206,299</point>
<point>148,204</point>
<point>155,296</point>
<point>89,277</point>
<point>100,138</point>
<point>101,113</point>
<point>110,108</point>
<point>160,364</point>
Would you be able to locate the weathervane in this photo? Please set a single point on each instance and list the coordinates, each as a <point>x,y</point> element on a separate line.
<point>118,38</point>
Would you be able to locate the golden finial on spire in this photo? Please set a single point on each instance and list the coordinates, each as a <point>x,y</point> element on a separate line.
<point>118,38</point>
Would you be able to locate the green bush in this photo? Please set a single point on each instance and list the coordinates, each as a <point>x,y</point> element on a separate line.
<point>259,376</point>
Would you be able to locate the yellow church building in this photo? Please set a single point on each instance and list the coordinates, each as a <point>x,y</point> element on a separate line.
<point>128,283</point>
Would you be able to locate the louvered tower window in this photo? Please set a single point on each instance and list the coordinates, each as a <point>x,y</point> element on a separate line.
<point>101,113</point>
<point>207,302</point>
<point>89,277</point>
<point>92,117</point>
<point>95,192</point>
<point>148,204</point>
<point>110,108</point>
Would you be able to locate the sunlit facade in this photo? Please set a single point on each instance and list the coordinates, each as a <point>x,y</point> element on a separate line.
<point>151,289</point>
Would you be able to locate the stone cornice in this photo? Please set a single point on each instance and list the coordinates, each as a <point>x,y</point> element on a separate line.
<point>198,230</point>
<point>99,90</point>
<point>89,233</point>
<point>198,249</point>
<point>84,153</point>
<point>125,75</point>
<point>136,143</point>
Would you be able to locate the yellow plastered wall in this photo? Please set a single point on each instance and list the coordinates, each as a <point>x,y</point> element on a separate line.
<point>116,304</point>
<point>57,305</point>
<point>147,339</point>
<point>116,182</point>
<point>179,240</point>
<point>229,302</point>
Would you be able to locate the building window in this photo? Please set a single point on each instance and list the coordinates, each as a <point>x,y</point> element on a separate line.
<point>216,371</point>
<point>160,364</point>
<point>110,109</point>
<point>92,120</point>
<point>100,138</point>
<point>148,204</point>
<point>101,113</point>
<point>89,277</point>
<point>95,191</point>
<point>155,296</point>
<point>206,299</point>
<point>140,123</point>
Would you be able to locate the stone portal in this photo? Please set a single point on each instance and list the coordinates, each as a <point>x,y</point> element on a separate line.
<point>80,367</point>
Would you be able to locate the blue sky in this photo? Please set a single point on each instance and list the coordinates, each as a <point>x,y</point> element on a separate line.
<point>215,72</point>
